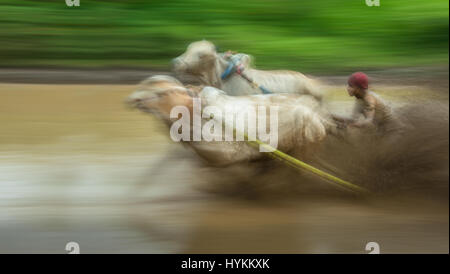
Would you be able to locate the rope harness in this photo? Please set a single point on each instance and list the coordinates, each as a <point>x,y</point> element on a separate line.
<point>235,66</point>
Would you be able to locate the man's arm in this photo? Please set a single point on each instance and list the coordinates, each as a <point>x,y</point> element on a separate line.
<point>341,121</point>
<point>369,114</point>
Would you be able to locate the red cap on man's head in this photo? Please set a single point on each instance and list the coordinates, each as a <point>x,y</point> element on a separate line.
<point>359,79</point>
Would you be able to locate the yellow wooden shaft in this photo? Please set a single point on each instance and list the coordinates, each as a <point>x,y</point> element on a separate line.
<point>297,164</point>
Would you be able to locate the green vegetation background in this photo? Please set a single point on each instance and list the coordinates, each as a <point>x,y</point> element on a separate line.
<point>309,35</point>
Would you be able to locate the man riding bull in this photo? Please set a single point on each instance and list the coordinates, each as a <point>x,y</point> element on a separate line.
<point>369,109</point>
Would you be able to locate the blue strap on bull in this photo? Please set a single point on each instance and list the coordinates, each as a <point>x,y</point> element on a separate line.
<point>229,70</point>
<point>264,90</point>
<point>234,66</point>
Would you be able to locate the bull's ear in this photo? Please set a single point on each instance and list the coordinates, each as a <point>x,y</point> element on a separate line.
<point>210,57</point>
<point>247,60</point>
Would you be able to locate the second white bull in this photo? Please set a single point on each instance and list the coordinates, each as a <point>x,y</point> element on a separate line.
<point>202,61</point>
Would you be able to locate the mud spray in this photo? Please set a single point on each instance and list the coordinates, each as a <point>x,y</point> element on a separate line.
<point>410,159</point>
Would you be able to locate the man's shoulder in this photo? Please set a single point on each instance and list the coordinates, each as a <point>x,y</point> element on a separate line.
<point>371,98</point>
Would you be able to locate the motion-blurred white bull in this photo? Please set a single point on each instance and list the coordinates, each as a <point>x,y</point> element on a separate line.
<point>202,61</point>
<point>301,124</point>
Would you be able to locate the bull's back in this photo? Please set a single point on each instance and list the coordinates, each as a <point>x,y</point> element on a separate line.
<point>284,81</point>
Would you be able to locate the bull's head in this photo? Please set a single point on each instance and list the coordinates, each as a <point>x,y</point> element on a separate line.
<point>200,56</point>
<point>202,61</point>
<point>158,95</point>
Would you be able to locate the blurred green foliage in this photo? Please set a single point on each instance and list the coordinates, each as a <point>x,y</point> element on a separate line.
<point>320,35</point>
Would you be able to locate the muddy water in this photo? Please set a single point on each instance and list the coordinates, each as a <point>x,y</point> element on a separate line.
<point>76,165</point>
